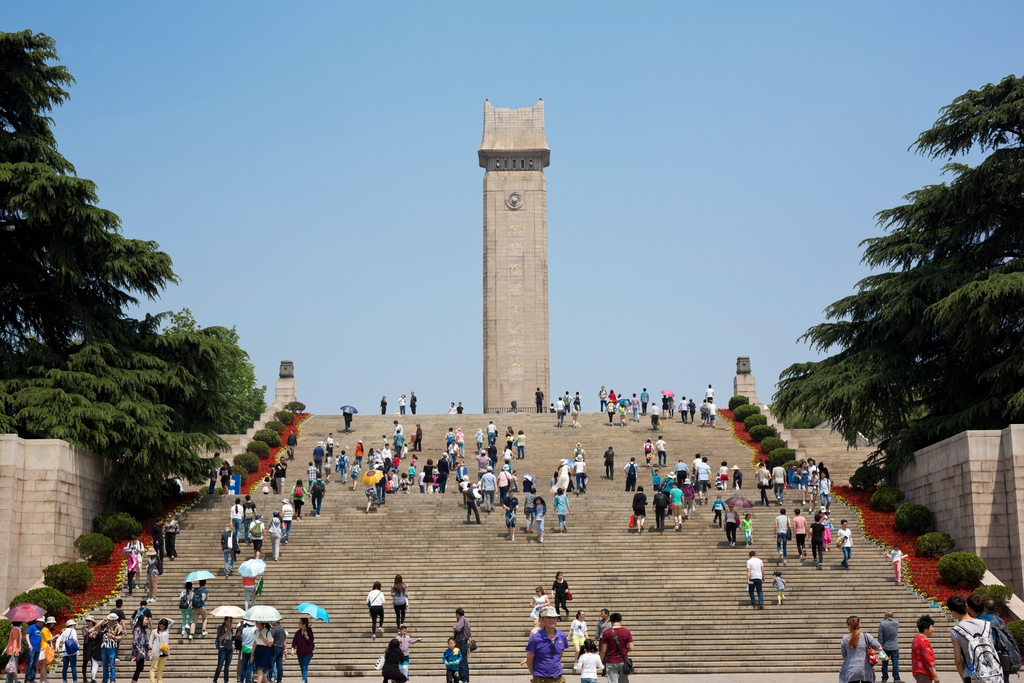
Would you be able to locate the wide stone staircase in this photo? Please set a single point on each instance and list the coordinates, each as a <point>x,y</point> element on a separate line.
<point>682,594</point>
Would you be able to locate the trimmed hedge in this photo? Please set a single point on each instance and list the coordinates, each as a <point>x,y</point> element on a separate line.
<point>762,432</point>
<point>268,436</point>
<point>52,600</point>
<point>753,421</point>
<point>257,448</point>
<point>295,407</point>
<point>914,518</point>
<point>68,577</point>
<point>963,569</point>
<point>1017,629</point>
<point>250,462</point>
<point>780,456</point>
<point>771,443</point>
<point>285,416</point>
<point>94,547</point>
<point>277,426</point>
<point>935,544</point>
<point>118,526</point>
<point>1001,594</point>
<point>238,469</point>
<point>789,464</point>
<point>734,402</point>
<point>5,633</point>
<point>743,412</point>
<point>886,499</point>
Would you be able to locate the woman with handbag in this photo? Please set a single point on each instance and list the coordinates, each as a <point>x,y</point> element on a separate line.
<point>561,589</point>
<point>858,654</point>
<point>375,603</point>
<point>160,650</point>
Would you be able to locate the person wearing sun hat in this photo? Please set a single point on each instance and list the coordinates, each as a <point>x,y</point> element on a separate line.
<point>68,647</point>
<point>545,647</point>
<point>92,639</point>
<point>113,632</point>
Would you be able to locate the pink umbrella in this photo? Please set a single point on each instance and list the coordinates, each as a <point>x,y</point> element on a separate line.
<point>666,392</point>
<point>26,611</point>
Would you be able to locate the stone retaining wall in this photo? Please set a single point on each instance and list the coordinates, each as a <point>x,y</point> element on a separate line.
<point>49,494</point>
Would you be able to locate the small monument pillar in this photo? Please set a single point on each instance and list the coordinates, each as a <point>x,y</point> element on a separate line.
<point>285,390</point>
<point>744,384</point>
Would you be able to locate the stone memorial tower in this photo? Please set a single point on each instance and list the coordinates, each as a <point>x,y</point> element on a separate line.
<point>514,152</point>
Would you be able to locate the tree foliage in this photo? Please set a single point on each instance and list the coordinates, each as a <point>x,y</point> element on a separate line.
<point>934,343</point>
<point>73,364</point>
<point>243,400</point>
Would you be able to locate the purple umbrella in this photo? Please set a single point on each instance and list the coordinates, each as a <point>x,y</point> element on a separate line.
<point>739,502</point>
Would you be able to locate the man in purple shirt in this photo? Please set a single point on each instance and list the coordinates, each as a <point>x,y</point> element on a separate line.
<point>544,651</point>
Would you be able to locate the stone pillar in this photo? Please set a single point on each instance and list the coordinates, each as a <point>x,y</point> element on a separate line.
<point>514,152</point>
<point>744,384</point>
<point>285,389</point>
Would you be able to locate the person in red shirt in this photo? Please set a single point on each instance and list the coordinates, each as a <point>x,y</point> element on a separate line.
<point>614,654</point>
<point>922,656</point>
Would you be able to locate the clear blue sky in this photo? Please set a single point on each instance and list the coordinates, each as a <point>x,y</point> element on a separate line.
<point>312,170</point>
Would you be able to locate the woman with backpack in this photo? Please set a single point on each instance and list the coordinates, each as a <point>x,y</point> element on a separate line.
<point>298,496</point>
<point>185,607</point>
<point>67,646</point>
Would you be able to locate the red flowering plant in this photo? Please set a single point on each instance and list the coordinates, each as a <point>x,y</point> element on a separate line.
<point>740,432</point>
<point>108,577</point>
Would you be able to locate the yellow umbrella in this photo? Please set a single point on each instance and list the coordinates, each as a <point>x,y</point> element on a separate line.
<point>372,477</point>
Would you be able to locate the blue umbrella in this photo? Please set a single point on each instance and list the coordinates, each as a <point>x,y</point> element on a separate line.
<point>625,402</point>
<point>198,576</point>
<point>350,410</point>
<point>252,568</point>
<point>315,611</point>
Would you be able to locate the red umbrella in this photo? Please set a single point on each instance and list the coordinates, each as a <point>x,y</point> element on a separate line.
<point>666,392</point>
<point>25,612</point>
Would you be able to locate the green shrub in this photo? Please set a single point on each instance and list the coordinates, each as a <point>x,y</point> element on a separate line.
<point>935,544</point>
<point>285,416</point>
<point>743,412</point>
<point>788,464</point>
<point>753,421</point>
<point>276,426</point>
<point>68,577</point>
<point>238,469</point>
<point>762,432</point>
<point>1001,594</point>
<point>914,518</point>
<point>257,448</point>
<point>5,633</point>
<point>886,499</point>
<point>737,401</point>
<point>218,491</point>
<point>866,477</point>
<point>52,600</point>
<point>94,547</point>
<point>771,443</point>
<point>780,456</point>
<point>268,436</point>
<point>963,569</point>
<point>118,526</point>
<point>1016,628</point>
<point>295,407</point>
<point>250,462</point>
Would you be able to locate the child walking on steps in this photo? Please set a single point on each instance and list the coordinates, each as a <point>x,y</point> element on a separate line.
<point>896,557</point>
<point>748,529</point>
<point>780,587</point>
<point>589,663</point>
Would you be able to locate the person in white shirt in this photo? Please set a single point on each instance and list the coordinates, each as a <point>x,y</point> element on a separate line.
<point>825,487</point>
<point>703,478</point>
<point>660,447</point>
<point>237,512</point>
<point>709,395</point>
<point>287,512</point>
<point>755,580</point>
<point>845,539</point>
<point>779,475</point>
<point>451,409</point>
<point>712,412</point>
<point>588,663</point>
<point>781,534</point>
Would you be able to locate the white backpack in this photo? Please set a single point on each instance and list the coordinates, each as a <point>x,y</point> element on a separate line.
<point>981,659</point>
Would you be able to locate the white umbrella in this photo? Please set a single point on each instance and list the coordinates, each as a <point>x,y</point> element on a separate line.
<point>228,611</point>
<point>251,568</point>
<point>262,613</point>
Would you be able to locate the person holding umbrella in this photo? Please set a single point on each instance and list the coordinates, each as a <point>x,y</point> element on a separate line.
<point>225,648</point>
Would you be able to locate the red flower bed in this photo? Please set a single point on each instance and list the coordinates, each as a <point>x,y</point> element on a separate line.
<point>920,573</point>
<point>108,577</point>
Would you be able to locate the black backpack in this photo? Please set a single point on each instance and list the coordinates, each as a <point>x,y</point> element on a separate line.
<point>318,489</point>
<point>1006,647</point>
<point>185,600</point>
